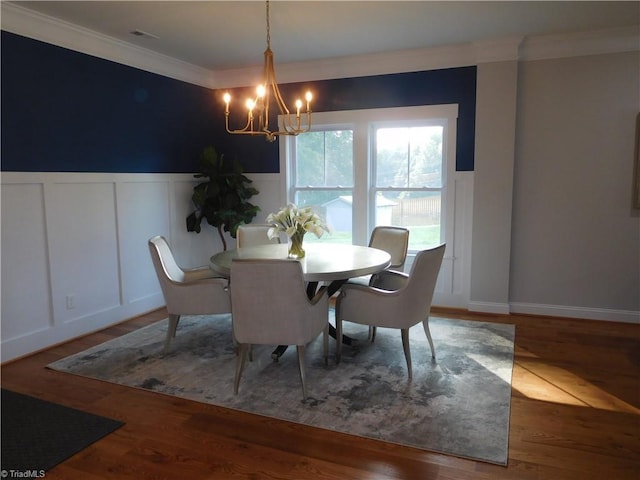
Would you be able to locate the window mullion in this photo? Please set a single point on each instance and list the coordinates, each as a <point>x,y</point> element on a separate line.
<point>408,158</point>
<point>361,179</point>
<point>324,158</point>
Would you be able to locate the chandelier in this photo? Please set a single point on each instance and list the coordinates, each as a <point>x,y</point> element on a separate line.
<point>258,107</point>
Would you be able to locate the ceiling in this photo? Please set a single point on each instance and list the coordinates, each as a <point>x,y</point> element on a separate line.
<point>219,35</point>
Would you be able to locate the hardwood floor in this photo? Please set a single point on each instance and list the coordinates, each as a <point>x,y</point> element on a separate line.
<point>575,414</point>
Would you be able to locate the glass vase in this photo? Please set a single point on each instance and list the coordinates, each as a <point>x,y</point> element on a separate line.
<point>295,245</point>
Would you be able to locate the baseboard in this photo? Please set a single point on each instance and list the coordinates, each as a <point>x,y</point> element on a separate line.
<point>43,339</point>
<point>609,315</point>
<point>489,307</point>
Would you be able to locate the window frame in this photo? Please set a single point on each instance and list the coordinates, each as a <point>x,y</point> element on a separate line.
<point>445,174</point>
<point>362,122</point>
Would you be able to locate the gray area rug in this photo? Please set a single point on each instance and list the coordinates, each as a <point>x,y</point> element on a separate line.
<point>458,404</point>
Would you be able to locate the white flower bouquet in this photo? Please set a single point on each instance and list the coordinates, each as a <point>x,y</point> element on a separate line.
<point>295,222</point>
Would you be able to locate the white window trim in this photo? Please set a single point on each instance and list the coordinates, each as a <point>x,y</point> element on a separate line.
<point>361,122</point>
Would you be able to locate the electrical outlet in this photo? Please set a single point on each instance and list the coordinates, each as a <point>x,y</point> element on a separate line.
<point>71,302</point>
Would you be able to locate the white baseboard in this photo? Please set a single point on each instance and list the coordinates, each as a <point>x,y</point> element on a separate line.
<point>610,315</point>
<point>489,307</point>
<point>45,338</point>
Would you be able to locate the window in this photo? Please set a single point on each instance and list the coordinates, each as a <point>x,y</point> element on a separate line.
<point>407,188</point>
<point>323,179</point>
<point>363,168</point>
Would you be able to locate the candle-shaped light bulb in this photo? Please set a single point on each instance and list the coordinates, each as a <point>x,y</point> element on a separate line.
<point>260,90</point>
<point>227,99</point>
<point>298,106</point>
<point>250,104</point>
<point>308,97</point>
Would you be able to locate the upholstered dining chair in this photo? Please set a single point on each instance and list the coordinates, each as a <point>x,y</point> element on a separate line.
<point>270,307</point>
<point>253,234</point>
<point>194,291</point>
<point>400,301</point>
<point>394,241</point>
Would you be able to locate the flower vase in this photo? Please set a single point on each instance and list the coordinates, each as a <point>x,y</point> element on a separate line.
<point>295,245</point>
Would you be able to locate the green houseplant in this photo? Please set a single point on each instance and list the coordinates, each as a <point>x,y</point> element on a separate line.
<point>222,200</point>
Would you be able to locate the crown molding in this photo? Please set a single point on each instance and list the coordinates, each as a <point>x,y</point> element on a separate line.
<point>25,22</point>
<point>497,50</point>
<point>401,61</point>
<point>597,42</point>
<point>30,24</point>
<point>354,66</point>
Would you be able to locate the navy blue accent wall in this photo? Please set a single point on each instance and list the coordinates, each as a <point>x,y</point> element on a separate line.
<point>65,111</point>
<point>69,112</point>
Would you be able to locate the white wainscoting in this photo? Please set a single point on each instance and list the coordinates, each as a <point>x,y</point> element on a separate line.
<point>74,250</point>
<point>452,289</point>
<point>75,259</point>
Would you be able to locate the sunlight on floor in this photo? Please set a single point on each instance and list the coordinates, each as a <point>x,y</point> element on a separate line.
<point>486,360</point>
<point>539,380</point>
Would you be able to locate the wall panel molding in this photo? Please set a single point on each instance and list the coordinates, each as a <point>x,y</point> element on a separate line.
<point>79,241</point>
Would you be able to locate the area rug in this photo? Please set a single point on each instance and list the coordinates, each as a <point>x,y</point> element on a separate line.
<point>37,435</point>
<point>458,404</point>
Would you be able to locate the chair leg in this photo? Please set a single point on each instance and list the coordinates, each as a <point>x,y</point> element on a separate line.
<point>325,343</point>
<point>338,336</point>
<point>425,324</point>
<point>372,329</point>
<point>303,376</point>
<point>242,355</point>
<point>171,330</point>
<point>407,351</point>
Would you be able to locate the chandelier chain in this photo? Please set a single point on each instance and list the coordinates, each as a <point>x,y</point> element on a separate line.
<point>268,28</point>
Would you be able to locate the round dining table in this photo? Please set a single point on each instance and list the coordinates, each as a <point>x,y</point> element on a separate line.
<point>323,262</point>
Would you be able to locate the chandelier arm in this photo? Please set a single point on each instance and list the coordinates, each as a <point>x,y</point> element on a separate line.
<point>289,128</point>
<point>271,82</point>
<point>246,128</point>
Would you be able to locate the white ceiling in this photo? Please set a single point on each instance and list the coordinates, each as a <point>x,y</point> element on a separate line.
<point>219,35</point>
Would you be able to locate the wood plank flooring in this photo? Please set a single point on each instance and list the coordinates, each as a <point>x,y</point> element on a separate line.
<point>575,414</point>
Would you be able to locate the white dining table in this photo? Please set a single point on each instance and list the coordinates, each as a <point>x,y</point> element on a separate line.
<point>323,262</point>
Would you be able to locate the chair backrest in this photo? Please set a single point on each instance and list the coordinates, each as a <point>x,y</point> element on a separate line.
<point>421,285</point>
<point>394,241</point>
<point>269,303</point>
<point>184,295</point>
<point>164,261</point>
<point>254,234</point>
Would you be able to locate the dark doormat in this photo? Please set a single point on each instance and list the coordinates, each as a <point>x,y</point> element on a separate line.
<point>38,435</point>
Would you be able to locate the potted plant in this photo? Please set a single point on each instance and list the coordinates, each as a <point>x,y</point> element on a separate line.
<point>222,200</point>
